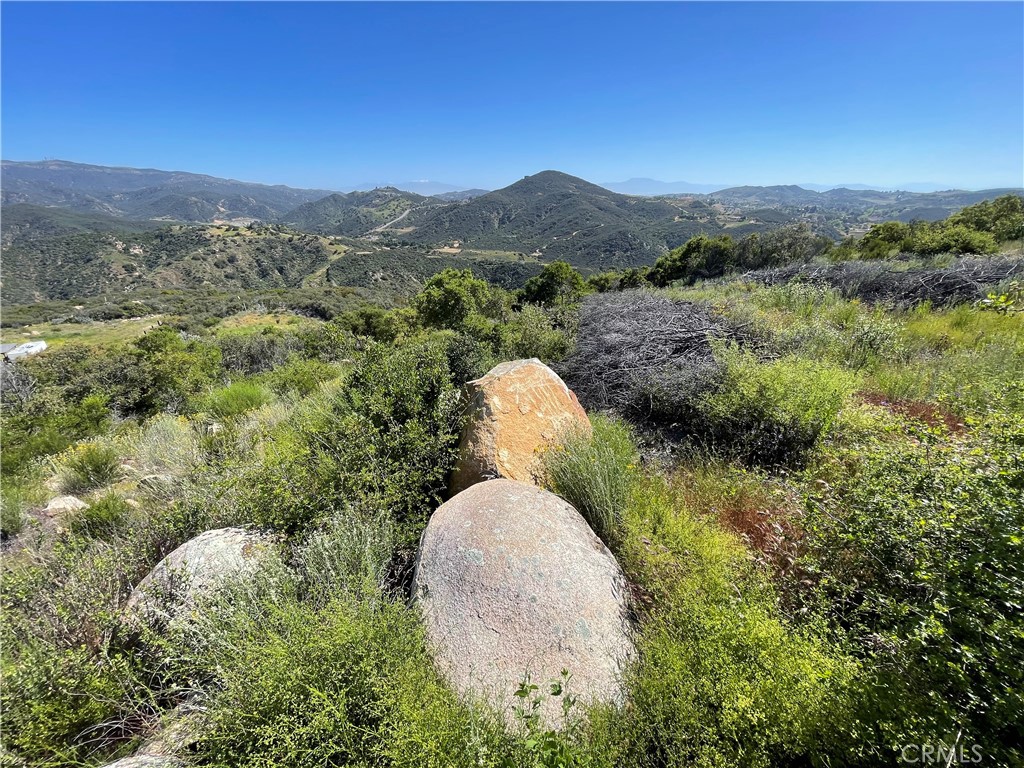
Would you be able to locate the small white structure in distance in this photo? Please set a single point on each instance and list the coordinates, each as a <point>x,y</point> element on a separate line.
<point>18,351</point>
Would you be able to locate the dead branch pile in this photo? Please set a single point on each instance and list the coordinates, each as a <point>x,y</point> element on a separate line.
<point>967,279</point>
<point>639,353</point>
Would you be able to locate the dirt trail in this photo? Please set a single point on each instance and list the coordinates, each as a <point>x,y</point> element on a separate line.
<point>387,224</point>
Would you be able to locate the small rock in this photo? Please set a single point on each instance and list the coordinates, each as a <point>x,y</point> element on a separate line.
<point>147,761</point>
<point>511,580</point>
<point>63,505</point>
<point>514,411</point>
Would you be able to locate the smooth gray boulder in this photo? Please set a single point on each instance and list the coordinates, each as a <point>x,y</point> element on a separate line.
<point>194,569</point>
<point>512,581</point>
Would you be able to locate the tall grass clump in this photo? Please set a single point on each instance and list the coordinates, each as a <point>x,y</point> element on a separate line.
<point>88,466</point>
<point>593,471</point>
<point>167,445</point>
<point>349,554</point>
<point>102,519</point>
<point>237,397</point>
<point>12,510</point>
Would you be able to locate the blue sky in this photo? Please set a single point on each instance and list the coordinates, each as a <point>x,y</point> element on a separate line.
<point>334,94</point>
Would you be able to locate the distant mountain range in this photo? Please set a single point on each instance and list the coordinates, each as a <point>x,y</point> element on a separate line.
<point>71,229</point>
<point>137,193</point>
<point>653,187</point>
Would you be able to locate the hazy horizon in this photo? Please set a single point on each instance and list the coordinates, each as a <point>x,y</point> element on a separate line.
<point>916,186</point>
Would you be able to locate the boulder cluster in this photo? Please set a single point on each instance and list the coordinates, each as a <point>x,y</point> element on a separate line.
<point>512,583</point>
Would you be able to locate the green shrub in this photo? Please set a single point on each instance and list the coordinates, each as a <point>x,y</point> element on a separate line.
<point>946,238</point>
<point>62,706</point>
<point>164,371</point>
<point>914,545</point>
<point>468,357</point>
<point>531,332</point>
<point>455,300</point>
<point>300,376</point>
<point>700,257</point>
<point>557,284</point>
<point>770,413</point>
<point>351,684</point>
<point>102,519</point>
<point>594,472</point>
<point>88,466</point>
<point>385,440</point>
<point>785,245</point>
<point>722,679</point>
<point>69,696</point>
<point>886,239</point>
<point>238,397</point>
<point>1003,217</point>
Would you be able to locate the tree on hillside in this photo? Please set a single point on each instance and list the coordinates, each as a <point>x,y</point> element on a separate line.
<point>455,298</point>
<point>557,284</point>
<point>1002,217</point>
<point>700,257</point>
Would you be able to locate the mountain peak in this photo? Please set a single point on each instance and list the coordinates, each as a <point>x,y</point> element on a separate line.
<point>549,182</point>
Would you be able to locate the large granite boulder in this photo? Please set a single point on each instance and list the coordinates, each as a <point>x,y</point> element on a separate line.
<point>513,412</point>
<point>512,581</point>
<point>194,569</point>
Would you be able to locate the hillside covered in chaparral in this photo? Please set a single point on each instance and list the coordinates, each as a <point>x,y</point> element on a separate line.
<point>543,476</point>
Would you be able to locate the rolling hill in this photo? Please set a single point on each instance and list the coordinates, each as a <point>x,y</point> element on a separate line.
<point>114,264</point>
<point>136,193</point>
<point>22,222</point>
<point>552,215</point>
<point>357,213</point>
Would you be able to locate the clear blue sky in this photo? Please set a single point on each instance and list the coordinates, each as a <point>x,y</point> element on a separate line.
<point>329,95</point>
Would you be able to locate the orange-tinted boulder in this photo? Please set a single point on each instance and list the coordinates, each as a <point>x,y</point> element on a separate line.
<point>514,411</point>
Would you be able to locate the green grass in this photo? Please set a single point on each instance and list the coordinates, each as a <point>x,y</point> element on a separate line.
<point>236,398</point>
<point>88,466</point>
<point>593,472</point>
<point>12,512</point>
<point>103,518</point>
<point>98,332</point>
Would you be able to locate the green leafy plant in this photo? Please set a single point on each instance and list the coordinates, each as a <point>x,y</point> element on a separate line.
<point>545,745</point>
